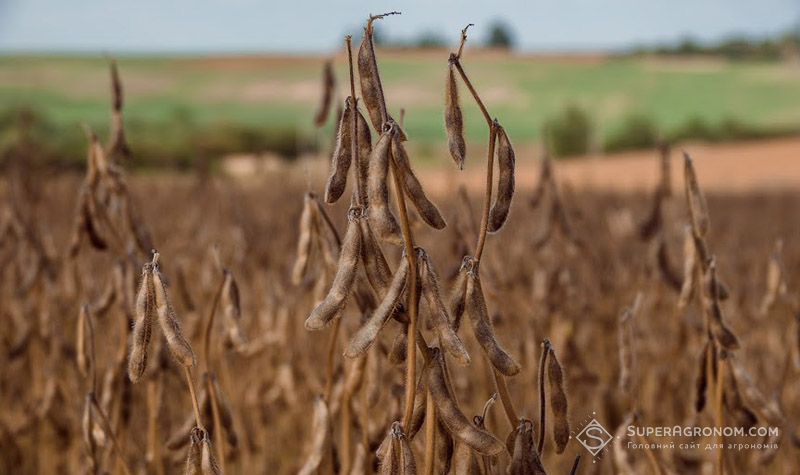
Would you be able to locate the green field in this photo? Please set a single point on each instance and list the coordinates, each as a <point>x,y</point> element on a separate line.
<point>174,96</point>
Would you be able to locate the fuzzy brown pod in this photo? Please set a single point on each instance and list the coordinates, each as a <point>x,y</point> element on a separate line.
<point>144,312</point>
<point>118,146</point>
<point>558,402</point>
<point>232,309</point>
<point>168,321</point>
<point>721,330</point>
<point>458,296</point>
<point>689,264</point>
<point>420,403</point>
<point>506,162</point>
<point>328,86</point>
<point>369,331</point>
<point>82,352</point>
<point>453,118</point>
<point>427,210</point>
<point>342,156</point>
<point>201,459</point>
<point>408,465</point>
<point>481,441</point>
<point>465,462</point>
<point>443,448</point>
<point>225,412</point>
<point>333,304</point>
<point>768,410</point>
<point>320,445</point>
<point>482,327</point>
<point>380,215</point>
<point>364,144</point>
<point>665,269</point>
<point>439,317</point>
<point>389,456</point>
<point>376,268</point>
<point>369,78</point>
<point>701,381</point>
<point>698,210</point>
<point>90,222</point>
<point>307,232</point>
<point>399,349</point>
<point>525,460</point>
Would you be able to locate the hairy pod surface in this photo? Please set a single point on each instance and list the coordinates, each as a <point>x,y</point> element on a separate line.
<point>321,438</point>
<point>170,327</point>
<point>333,304</point>
<point>482,327</point>
<point>369,331</point>
<point>341,160</point>
<point>143,325</point>
<point>328,85</point>
<point>305,239</point>
<point>558,402</point>
<point>454,119</point>
<point>438,312</point>
<point>427,210</point>
<point>506,162</point>
<point>380,215</point>
<point>481,441</point>
<point>525,460</point>
<point>698,210</point>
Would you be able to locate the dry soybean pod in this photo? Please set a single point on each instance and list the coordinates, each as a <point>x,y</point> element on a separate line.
<point>427,210</point>
<point>368,75</point>
<point>454,420</point>
<point>380,215</point>
<point>453,118</point>
<point>408,465</point>
<point>698,211</point>
<point>558,402</point>
<point>465,462</point>
<point>364,144</point>
<point>328,85</point>
<point>525,460</point>
<point>320,443</point>
<point>194,461</point>
<point>458,296</point>
<point>505,182</point>
<point>722,331</point>
<point>143,325</point>
<point>333,304</point>
<point>81,345</point>
<point>375,266</point>
<point>366,335</point>
<point>438,312</point>
<point>398,351</point>
<point>341,160</point>
<point>689,263</point>
<point>482,327</point>
<point>701,383</point>
<point>304,241</point>
<point>178,346</point>
<point>443,446</point>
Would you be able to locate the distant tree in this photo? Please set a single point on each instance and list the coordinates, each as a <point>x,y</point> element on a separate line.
<point>429,39</point>
<point>500,36</point>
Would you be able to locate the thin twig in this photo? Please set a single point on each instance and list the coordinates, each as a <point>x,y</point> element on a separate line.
<point>190,381</point>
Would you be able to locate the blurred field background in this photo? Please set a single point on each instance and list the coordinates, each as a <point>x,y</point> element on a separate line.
<point>180,107</point>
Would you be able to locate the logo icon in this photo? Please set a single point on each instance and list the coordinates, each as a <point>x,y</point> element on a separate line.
<point>594,437</point>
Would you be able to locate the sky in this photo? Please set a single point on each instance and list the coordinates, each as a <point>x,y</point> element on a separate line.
<point>296,26</point>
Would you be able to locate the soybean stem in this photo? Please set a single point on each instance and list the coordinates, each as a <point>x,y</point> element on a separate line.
<point>190,381</point>
<point>430,435</point>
